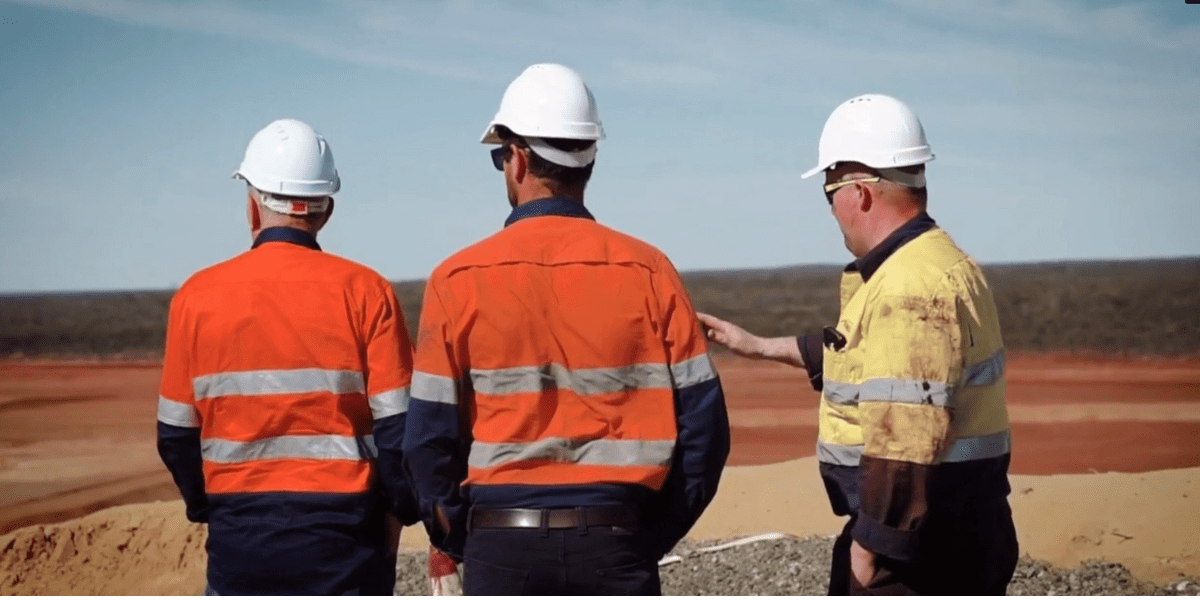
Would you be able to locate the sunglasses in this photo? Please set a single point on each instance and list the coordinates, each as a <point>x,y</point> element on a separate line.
<point>498,157</point>
<point>830,188</point>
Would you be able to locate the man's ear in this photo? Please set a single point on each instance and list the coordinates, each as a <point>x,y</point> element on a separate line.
<point>866,197</point>
<point>520,163</point>
<point>252,215</point>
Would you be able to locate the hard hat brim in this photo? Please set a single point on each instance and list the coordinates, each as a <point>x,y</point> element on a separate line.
<point>300,189</point>
<point>489,135</point>
<point>815,170</point>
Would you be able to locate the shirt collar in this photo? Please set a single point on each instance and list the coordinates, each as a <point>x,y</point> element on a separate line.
<point>554,205</point>
<point>290,235</point>
<point>867,265</point>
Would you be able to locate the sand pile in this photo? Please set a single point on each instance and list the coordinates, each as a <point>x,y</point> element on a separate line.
<point>139,549</point>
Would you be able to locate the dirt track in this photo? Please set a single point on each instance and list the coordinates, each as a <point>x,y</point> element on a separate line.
<point>78,437</point>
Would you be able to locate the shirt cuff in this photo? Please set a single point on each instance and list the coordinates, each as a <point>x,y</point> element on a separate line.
<point>898,544</point>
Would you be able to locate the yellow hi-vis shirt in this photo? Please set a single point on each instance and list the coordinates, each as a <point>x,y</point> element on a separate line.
<point>912,411</point>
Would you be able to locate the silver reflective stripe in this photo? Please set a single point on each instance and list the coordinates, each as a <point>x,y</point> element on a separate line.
<point>697,369</point>
<point>177,413</point>
<point>984,446</point>
<point>962,450</point>
<point>987,372</point>
<point>837,454</point>
<point>434,388</point>
<point>389,403</point>
<point>936,393</point>
<point>639,453</point>
<point>322,447</point>
<point>840,393</point>
<point>551,376</point>
<point>282,381</point>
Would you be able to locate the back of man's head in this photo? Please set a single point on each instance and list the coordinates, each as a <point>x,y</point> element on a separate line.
<point>542,164</point>
<point>549,111</point>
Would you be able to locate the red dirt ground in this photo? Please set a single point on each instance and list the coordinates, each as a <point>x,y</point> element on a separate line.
<point>77,437</point>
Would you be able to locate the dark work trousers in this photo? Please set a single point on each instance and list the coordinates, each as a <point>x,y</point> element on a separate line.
<point>972,552</point>
<point>597,561</point>
<point>376,578</point>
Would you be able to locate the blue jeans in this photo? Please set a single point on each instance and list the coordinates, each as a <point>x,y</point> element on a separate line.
<point>598,560</point>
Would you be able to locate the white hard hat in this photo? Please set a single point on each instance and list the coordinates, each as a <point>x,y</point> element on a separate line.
<point>288,157</point>
<point>549,101</point>
<point>875,130</point>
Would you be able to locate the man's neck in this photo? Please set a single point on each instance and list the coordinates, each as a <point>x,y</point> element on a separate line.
<point>544,193</point>
<point>292,224</point>
<point>888,225</point>
<point>534,188</point>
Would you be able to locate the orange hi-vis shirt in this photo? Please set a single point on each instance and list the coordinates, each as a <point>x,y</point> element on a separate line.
<point>562,342</point>
<point>284,357</point>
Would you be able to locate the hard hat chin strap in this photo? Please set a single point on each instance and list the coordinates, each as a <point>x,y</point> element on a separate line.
<point>908,180</point>
<point>576,159</point>
<point>295,207</point>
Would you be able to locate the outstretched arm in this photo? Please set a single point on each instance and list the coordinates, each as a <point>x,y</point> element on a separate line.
<point>746,344</point>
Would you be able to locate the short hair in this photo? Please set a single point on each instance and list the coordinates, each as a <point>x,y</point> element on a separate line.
<point>567,177</point>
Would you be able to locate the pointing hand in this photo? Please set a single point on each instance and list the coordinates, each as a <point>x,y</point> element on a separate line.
<point>737,340</point>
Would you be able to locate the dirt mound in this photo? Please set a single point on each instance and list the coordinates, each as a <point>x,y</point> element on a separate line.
<point>143,549</point>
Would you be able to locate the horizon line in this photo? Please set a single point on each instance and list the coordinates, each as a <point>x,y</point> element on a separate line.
<point>701,272</point>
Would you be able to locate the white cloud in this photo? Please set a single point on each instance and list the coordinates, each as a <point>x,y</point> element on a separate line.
<point>1033,68</point>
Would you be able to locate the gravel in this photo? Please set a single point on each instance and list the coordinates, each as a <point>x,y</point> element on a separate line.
<point>790,567</point>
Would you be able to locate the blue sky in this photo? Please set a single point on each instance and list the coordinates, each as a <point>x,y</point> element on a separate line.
<point>1063,129</point>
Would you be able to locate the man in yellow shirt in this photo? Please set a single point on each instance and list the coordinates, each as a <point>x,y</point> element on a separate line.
<point>913,439</point>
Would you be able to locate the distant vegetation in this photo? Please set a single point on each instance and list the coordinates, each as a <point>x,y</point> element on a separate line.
<point>1126,307</point>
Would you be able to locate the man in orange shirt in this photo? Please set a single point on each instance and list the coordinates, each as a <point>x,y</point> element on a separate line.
<point>285,385</point>
<point>567,426</point>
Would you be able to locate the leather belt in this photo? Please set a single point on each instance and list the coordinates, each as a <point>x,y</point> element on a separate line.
<point>554,518</point>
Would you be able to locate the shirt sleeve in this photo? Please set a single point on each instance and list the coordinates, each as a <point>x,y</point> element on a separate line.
<point>388,376</point>
<point>435,452</point>
<point>178,420</point>
<point>702,421</point>
<point>909,377</point>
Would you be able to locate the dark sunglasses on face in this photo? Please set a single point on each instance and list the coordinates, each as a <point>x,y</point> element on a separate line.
<point>498,157</point>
